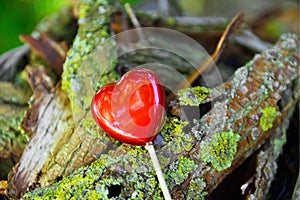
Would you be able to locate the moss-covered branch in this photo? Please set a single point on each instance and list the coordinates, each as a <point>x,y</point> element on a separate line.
<point>234,128</point>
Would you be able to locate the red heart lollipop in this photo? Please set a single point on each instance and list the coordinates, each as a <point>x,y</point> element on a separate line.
<point>133,109</point>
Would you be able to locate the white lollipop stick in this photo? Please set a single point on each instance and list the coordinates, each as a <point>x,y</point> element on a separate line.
<point>158,171</point>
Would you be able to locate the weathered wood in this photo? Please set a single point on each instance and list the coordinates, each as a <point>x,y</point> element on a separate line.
<point>184,24</point>
<point>55,149</point>
<point>15,94</point>
<point>251,109</point>
<point>41,84</point>
<point>60,144</point>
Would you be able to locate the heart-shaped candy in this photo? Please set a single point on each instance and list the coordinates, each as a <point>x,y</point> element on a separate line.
<point>133,109</point>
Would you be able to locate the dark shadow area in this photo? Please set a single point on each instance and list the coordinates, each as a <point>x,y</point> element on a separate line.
<point>285,179</point>
<point>230,187</point>
<point>114,191</point>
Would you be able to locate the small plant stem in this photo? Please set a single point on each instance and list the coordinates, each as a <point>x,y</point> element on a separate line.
<point>132,16</point>
<point>134,21</point>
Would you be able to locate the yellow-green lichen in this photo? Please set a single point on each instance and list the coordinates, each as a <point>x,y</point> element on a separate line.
<point>157,195</point>
<point>138,175</point>
<point>67,188</point>
<point>180,170</point>
<point>220,150</point>
<point>87,183</point>
<point>173,132</point>
<point>267,118</point>
<point>136,157</point>
<point>83,9</point>
<point>142,175</point>
<point>193,96</point>
<point>172,128</point>
<point>195,189</point>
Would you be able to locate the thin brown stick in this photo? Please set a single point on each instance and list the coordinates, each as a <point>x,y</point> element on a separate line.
<point>48,49</point>
<point>231,27</point>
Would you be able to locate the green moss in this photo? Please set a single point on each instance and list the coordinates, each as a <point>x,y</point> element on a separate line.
<point>180,170</point>
<point>220,150</point>
<point>89,58</point>
<point>193,96</point>
<point>267,118</point>
<point>195,190</point>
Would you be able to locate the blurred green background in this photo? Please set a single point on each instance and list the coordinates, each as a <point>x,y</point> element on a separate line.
<point>21,16</point>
